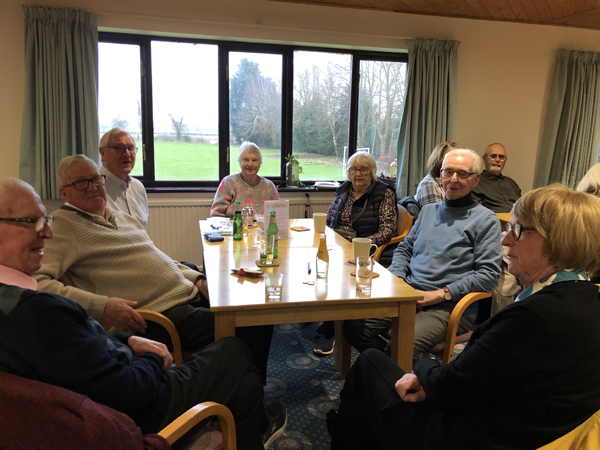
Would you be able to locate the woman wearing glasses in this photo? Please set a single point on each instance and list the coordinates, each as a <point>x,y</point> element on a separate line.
<point>528,375</point>
<point>363,207</point>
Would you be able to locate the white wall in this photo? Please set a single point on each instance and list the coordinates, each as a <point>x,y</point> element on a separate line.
<point>505,69</point>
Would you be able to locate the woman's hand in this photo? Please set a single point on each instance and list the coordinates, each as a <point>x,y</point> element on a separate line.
<point>409,389</point>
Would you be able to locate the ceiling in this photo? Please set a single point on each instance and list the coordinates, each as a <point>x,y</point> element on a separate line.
<point>570,13</point>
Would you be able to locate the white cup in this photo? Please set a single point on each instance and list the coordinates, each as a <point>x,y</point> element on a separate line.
<point>320,220</point>
<point>362,247</point>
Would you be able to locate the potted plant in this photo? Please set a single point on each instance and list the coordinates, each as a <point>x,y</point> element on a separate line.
<point>293,169</point>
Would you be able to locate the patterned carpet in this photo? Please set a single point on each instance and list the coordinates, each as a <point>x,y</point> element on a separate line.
<point>308,385</point>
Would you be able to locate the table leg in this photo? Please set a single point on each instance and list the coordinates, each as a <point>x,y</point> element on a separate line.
<point>403,335</point>
<point>343,351</point>
<point>224,325</point>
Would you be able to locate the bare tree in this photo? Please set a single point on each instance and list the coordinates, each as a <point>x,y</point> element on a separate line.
<point>178,127</point>
<point>118,122</point>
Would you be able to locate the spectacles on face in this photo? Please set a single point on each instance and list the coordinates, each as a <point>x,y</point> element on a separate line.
<point>516,229</point>
<point>40,222</point>
<point>122,149</point>
<point>83,184</point>
<point>461,174</point>
<point>363,170</point>
<point>494,157</point>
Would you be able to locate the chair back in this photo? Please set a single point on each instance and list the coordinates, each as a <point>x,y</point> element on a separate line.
<point>405,220</point>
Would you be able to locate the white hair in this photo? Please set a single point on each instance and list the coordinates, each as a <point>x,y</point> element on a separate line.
<point>477,166</point>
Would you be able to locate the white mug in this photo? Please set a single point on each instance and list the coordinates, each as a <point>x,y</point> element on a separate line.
<point>362,247</point>
<point>320,220</point>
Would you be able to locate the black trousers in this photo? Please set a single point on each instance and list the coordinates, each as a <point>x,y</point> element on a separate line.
<point>222,372</point>
<point>372,415</point>
<point>195,324</point>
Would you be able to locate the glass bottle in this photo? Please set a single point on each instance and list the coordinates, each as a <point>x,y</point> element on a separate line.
<point>322,258</point>
<point>237,222</point>
<point>272,230</point>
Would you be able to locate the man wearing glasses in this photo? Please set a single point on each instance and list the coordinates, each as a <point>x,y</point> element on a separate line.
<point>105,261</point>
<point>453,249</point>
<point>499,193</point>
<point>50,338</point>
<point>496,191</point>
<point>123,192</point>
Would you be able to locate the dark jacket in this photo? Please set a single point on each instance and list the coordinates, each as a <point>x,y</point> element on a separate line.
<point>365,211</point>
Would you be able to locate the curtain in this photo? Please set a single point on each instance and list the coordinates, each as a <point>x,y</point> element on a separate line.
<point>60,113</point>
<point>429,109</point>
<point>572,127</point>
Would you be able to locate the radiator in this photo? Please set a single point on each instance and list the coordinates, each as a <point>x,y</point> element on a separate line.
<point>173,225</point>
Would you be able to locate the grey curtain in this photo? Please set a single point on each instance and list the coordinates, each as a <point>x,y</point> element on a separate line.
<point>60,116</point>
<point>429,110</point>
<point>572,126</point>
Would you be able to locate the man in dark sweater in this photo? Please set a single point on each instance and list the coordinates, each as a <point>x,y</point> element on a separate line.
<point>49,338</point>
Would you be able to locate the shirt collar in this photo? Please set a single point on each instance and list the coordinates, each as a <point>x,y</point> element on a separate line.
<point>115,179</point>
<point>14,277</point>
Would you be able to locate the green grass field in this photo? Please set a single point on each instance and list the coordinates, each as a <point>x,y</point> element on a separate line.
<point>183,161</point>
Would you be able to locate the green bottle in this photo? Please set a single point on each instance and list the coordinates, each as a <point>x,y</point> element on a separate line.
<point>272,230</point>
<point>238,224</point>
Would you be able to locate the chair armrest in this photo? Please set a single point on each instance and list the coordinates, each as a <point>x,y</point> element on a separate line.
<point>166,323</point>
<point>457,313</point>
<point>380,249</point>
<point>197,414</point>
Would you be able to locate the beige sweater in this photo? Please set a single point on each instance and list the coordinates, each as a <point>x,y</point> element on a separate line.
<point>111,258</point>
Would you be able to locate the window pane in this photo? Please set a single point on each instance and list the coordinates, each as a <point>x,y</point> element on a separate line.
<point>255,107</point>
<point>119,91</point>
<point>185,111</point>
<point>321,113</point>
<point>380,106</point>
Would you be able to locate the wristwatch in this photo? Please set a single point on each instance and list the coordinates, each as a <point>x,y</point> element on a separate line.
<point>447,294</point>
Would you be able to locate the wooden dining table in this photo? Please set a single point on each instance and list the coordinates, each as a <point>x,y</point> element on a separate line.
<point>239,301</point>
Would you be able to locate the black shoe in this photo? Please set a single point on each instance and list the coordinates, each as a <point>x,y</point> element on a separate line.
<point>330,419</point>
<point>277,414</point>
<point>319,332</point>
<point>324,346</point>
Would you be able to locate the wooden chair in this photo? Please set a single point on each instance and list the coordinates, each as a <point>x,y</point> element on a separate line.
<point>197,414</point>
<point>405,223</point>
<point>585,436</point>
<point>445,349</point>
<point>166,323</point>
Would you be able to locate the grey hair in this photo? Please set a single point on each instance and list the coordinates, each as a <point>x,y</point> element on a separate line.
<point>363,159</point>
<point>487,149</point>
<point>590,183</point>
<point>117,131</point>
<point>252,148</point>
<point>69,162</point>
<point>9,186</point>
<point>477,166</point>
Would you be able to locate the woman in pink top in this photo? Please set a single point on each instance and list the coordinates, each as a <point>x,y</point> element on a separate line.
<point>247,186</point>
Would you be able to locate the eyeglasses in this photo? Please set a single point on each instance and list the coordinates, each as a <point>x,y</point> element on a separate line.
<point>363,170</point>
<point>121,149</point>
<point>40,222</point>
<point>83,184</point>
<point>516,229</point>
<point>461,174</point>
<point>500,157</point>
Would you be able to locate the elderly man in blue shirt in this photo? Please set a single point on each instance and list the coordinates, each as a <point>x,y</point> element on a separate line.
<point>453,249</point>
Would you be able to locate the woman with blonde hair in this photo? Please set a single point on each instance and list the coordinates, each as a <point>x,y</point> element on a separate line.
<point>430,189</point>
<point>528,375</point>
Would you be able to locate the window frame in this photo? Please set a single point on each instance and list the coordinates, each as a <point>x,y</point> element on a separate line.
<point>287,100</point>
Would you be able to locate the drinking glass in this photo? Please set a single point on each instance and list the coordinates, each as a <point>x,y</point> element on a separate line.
<point>364,274</point>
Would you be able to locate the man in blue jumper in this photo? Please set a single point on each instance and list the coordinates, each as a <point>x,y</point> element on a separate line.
<point>453,249</point>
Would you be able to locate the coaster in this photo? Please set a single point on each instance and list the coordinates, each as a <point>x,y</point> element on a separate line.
<point>299,228</point>
<point>375,274</point>
<point>274,264</point>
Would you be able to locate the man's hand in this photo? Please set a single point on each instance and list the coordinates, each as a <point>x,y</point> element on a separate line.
<point>120,314</point>
<point>409,389</point>
<point>430,298</point>
<point>202,286</point>
<point>141,345</point>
